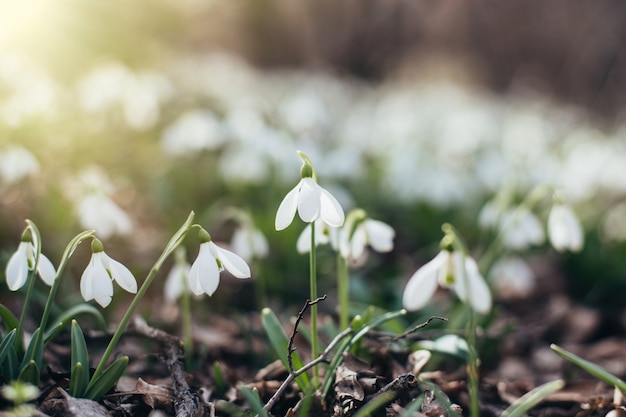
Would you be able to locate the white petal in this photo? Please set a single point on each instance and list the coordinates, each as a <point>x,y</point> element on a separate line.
<point>17,268</point>
<point>330,209</point>
<point>564,229</point>
<point>46,270</point>
<point>472,285</point>
<point>309,200</point>
<point>287,208</point>
<point>95,283</point>
<point>232,262</point>
<point>121,274</point>
<point>204,276</point>
<point>358,242</point>
<point>303,244</point>
<point>175,282</point>
<point>422,284</point>
<point>260,246</point>
<point>380,235</point>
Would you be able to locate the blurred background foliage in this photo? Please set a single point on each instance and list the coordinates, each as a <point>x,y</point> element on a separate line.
<point>419,112</point>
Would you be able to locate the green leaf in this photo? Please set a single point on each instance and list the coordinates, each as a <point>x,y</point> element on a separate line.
<point>370,407</point>
<point>107,379</point>
<point>34,351</point>
<point>70,314</point>
<point>280,342</point>
<point>78,383</point>
<point>9,369</point>
<point>592,368</point>
<point>252,396</point>
<point>10,321</point>
<point>520,407</point>
<point>30,373</point>
<point>7,342</point>
<point>79,377</point>
<point>450,344</point>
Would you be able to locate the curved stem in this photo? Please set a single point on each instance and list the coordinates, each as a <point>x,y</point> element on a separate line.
<point>174,242</point>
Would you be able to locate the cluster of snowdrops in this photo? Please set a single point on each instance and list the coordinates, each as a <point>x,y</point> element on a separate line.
<point>349,235</point>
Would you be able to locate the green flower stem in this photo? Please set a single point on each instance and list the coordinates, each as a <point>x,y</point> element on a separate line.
<point>313,284</point>
<point>185,315</point>
<point>472,365</point>
<point>36,240</point>
<point>174,242</point>
<point>343,286</point>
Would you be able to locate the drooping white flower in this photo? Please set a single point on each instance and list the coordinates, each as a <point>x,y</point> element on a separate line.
<point>564,229</point>
<point>521,229</point>
<point>204,275</point>
<point>249,242</point>
<point>175,281</point>
<point>450,270</point>
<point>512,277</point>
<point>22,261</point>
<point>97,211</point>
<point>377,234</point>
<point>324,234</point>
<point>96,283</point>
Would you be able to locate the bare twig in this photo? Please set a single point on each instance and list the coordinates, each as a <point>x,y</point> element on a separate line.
<point>419,326</point>
<point>294,374</point>
<point>290,348</point>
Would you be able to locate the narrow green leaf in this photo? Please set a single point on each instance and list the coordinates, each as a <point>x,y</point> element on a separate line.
<point>34,351</point>
<point>6,343</point>
<point>78,383</point>
<point>520,407</point>
<point>368,409</point>
<point>108,378</point>
<point>218,377</point>
<point>592,368</point>
<point>10,369</point>
<point>252,396</point>
<point>10,321</point>
<point>64,318</point>
<point>175,241</point>
<point>279,341</point>
<point>30,373</point>
<point>80,361</point>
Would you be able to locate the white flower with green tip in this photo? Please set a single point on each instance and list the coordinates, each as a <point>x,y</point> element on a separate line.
<point>23,260</point>
<point>360,231</point>
<point>96,283</point>
<point>204,275</point>
<point>449,270</point>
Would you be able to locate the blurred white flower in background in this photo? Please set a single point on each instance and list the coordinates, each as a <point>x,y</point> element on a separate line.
<point>564,229</point>
<point>192,132</point>
<point>16,163</point>
<point>512,277</point>
<point>249,242</point>
<point>96,209</point>
<point>521,229</point>
<point>324,234</point>
<point>360,231</point>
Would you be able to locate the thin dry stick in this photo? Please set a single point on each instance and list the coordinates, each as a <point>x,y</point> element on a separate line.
<point>419,326</point>
<point>294,374</point>
<point>290,348</point>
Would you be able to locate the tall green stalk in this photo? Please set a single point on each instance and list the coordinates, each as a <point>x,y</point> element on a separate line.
<point>343,288</point>
<point>313,295</point>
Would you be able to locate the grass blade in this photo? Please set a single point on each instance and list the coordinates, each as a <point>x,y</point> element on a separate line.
<point>520,407</point>
<point>79,377</point>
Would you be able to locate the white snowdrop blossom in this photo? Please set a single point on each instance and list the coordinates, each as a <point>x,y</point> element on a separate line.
<point>564,229</point>
<point>17,163</point>
<point>450,270</point>
<point>377,234</point>
<point>97,211</point>
<point>324,234</point>
<point>175,281</point>
<point>249,242</point>
<point>96,283</point>
<point>22,261</point>
<point>521,229</point>
<point>204,275</point>
<point>310,200</point>
<point>512,277</point>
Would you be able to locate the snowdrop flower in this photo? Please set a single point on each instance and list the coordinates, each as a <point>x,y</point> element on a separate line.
<point>359,231</point>
<point>96,283</point>
<point>450,270</point>
<point>17,163</point>
<point>564,229</point>
<point>97,211</point>
<point>204,275</point>
<point>521,229</point>
<point>310,200</point>
<point>324,234</point>
<point>249,242</point>
<point>23,261</point>
<point>176,278</point>
<point>512,277</point>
